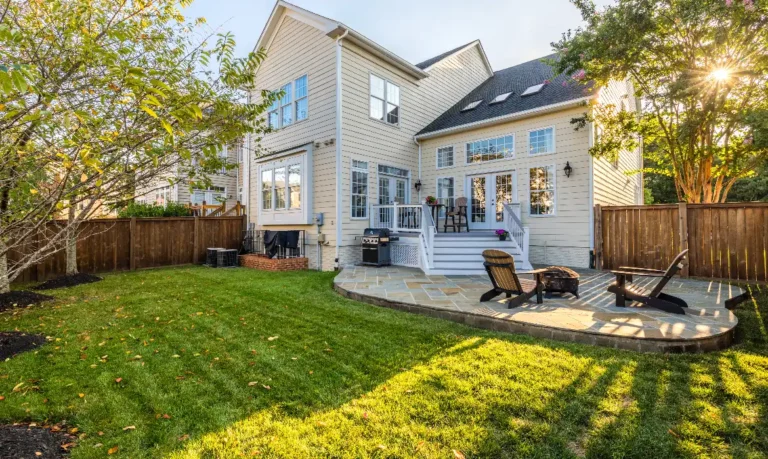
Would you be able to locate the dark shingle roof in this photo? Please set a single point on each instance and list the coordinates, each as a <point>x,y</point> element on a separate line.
<point>436,59</point>
<point>516,79</point>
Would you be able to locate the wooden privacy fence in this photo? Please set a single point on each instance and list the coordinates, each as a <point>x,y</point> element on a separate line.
<point>135,243</point>
<point>724,241</point>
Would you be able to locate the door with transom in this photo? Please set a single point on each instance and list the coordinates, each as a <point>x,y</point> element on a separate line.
<point>487,195</point>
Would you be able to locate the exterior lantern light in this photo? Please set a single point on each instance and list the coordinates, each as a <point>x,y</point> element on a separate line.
<point>568,169</point>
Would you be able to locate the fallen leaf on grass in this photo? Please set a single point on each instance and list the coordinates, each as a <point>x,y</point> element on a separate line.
<point>2,397</point>
<point>81,395</point>
<point>252,383</point>
<point>129,428</point>
<point>272,338</point>
<point>113,450</point>
<point>267,387</point>
<point>458,454</point>
<point>118,380</point>
<point>184,437</point>
<point>166,416</point>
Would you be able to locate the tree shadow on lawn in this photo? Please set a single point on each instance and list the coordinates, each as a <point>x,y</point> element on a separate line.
<point>217,352</point>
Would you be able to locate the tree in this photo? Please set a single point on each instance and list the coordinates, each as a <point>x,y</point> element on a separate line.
<point>100,98</point>
<point>700,68</point>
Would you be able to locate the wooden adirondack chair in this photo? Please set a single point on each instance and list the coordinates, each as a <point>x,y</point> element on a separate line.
<point>501,269</point>
<point>655,298</point>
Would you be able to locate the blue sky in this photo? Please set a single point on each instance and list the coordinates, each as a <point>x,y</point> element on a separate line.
<point>512,31</point>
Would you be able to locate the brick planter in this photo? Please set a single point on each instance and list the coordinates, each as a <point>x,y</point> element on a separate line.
<point>263,263</point>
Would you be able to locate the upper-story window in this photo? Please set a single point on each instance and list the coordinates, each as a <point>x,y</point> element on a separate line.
<point>542,141</point>
<point>385,100</point>
<point>292,107</point>
<point>444,157</point>
<point>491,149</point>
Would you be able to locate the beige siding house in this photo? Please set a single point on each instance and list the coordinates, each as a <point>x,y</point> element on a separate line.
<point>362,137</point>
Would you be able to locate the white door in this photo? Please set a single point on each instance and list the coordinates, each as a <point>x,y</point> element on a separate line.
<point>487,195</point>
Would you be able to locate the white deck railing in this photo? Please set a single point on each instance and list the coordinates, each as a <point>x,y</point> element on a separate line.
<point>512,223</point>
<point>397,218</point>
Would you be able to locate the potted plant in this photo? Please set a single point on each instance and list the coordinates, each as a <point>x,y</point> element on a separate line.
<point>502,234</point>
<point>431,200</point>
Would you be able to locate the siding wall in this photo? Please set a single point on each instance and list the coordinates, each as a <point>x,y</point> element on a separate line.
<point>376,142</point>
<point>560,239</point>
<point>613,186</point>
<point>298,49</point>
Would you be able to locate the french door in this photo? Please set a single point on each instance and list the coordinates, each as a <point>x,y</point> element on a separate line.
<point>487,195</point>
<point>391,190</point>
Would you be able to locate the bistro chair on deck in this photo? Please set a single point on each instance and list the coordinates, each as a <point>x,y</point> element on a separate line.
<point>501,269</point>
<point>458,210</point>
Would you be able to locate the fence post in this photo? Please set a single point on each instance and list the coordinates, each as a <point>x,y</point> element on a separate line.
<point>132,239</point>
<point>598,237</point>
<point>682,212</point>
<point>196,242</point>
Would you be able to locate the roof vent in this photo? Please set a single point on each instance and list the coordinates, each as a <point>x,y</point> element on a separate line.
<point>472,106</point>
<point>500,98</point>
<point>532,90</point>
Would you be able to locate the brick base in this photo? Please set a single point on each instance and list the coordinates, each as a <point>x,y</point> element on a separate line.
<point>273,264</point>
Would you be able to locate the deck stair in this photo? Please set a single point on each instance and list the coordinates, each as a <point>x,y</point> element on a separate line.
<point>461,253</point>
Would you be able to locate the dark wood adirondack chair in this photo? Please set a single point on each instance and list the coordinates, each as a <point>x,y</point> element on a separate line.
<point>501,269</point>
<point>458,211</point>
<point>655,298</point>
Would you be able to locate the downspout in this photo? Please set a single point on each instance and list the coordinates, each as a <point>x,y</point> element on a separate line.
<point>338,146</point>
<point>419,192</point>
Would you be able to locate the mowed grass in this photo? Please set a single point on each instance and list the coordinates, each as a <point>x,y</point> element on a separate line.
<point>231,363</point>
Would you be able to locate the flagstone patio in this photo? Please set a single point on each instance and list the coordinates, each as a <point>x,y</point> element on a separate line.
<point>592,319</point>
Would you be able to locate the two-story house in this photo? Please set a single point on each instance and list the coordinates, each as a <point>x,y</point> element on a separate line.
<point>359,129</point>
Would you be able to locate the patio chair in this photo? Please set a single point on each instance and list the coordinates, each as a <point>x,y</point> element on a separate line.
<point>501,269</point>
<point>460,211</point>
<point>655,298</point>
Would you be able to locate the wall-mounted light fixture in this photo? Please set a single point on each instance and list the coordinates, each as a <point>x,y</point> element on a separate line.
<point>417,185</point>
<point>568,169</point>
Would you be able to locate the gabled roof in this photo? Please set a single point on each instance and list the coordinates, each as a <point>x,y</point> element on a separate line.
<point>515,79</point>
<point>333,29</point>
<point>429,63</point>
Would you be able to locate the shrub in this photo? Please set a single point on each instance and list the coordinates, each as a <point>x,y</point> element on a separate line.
<point>139,210</point>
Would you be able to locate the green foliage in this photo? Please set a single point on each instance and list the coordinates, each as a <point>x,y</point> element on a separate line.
<point>700,69</point>
<point>171,209</point>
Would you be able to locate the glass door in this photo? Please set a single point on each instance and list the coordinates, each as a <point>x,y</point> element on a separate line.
<point>488,193</point>
<point>478,202</point>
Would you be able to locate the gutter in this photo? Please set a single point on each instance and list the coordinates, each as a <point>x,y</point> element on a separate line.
<point>338,145</point>
<point>417,143</point>
<point>511,117</point>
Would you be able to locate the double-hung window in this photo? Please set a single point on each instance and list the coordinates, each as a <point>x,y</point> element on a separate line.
<point>359,189</point>
<point>281,187</point>
<point>385,100</point>
<point>294,186</point>
<point>542,190</point>
<point>266,189</point>
<point>541,141</point>
<point>491,149</point>
<point>444,157</point>
<point>293,106</point>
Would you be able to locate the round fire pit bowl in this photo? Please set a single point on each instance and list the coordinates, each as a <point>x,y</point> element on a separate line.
<point>559,279</point>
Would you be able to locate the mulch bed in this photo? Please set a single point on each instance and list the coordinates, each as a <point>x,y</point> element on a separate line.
<point>29,441</point>
<point>68,281</point>
<point>21,299</point>
<point>12,343</point>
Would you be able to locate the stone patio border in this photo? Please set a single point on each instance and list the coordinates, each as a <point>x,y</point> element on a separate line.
<point>691,345</point>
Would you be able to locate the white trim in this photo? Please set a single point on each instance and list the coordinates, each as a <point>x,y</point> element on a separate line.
<point>353,169</point>
<point>514,153</point>
<point>302,215</point>
<point>293,104</point>
<point>477,43</point>
<point>437,191</point>
<point>554,188</point>
<point>408,181</point>
<point>339,106</point>
<point>437,162</point>
<point>554,140</point>
<point>591,191</point>
<point>505,118</point>
<point>385,102</point>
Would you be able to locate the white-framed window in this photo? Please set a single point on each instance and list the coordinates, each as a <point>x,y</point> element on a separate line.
<point>359,189</point>
<point>281,187</point>
<point>541,141</point>
<point>445,157</point>
<point>211,196</point>
<point>285,186</point>
<point>294,186</point>
<point>491,149</point>
<point>292,107</point>
<point>542,190</point>
<point>266,189</point>
<point>445,193</point>
<point>240,195</point>
<point>162,196</point>
<point>384,100</point>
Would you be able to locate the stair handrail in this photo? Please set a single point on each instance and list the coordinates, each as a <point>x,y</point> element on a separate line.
<point>514,225</point>
<point>427,235</point>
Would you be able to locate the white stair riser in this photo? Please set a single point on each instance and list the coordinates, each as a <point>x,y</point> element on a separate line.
<point>473,251</point>
<point>465,257</point>
<point>479,244</point>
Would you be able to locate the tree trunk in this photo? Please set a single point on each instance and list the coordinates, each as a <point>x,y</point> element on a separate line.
<point>5,285</point>
<point>71,243</point>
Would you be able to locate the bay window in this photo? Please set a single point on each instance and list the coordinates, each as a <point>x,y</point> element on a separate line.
<point>285,183</point>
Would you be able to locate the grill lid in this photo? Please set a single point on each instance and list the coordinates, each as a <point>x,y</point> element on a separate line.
<point>376,232</point>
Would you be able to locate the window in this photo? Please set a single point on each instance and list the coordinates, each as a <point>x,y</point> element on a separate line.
<point>162,196</point>
<point>491,149</point>
<point>445,194</point>
<point>359,189</point>
<point>294,186</point>
<point>292,107</point>
<point>532,90</point>
<point>396,171</point>
<point>266,189</point>
<point>444,157</point>
<point>223,157</point>
<point>385,100</point>
<point>500,98</point>
<point>541,141</point>
<point>542,190</point>
<point>472,105</point>
<point>211,196</point>
<point>280,188</point>
<point>240,195</point>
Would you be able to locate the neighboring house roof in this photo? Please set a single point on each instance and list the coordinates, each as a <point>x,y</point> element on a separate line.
<point>516,80</point>
<point>429,63</point>
<point>333,29</point>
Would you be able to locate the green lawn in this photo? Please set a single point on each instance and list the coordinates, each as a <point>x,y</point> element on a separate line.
<point>228,363</point>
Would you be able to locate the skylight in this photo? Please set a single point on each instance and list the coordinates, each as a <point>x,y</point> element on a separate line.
<point>472,105</point>
<point>533,89</point>
<point>500,98</point>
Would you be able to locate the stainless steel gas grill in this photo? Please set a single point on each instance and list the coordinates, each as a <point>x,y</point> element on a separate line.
<point>376,247</point>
